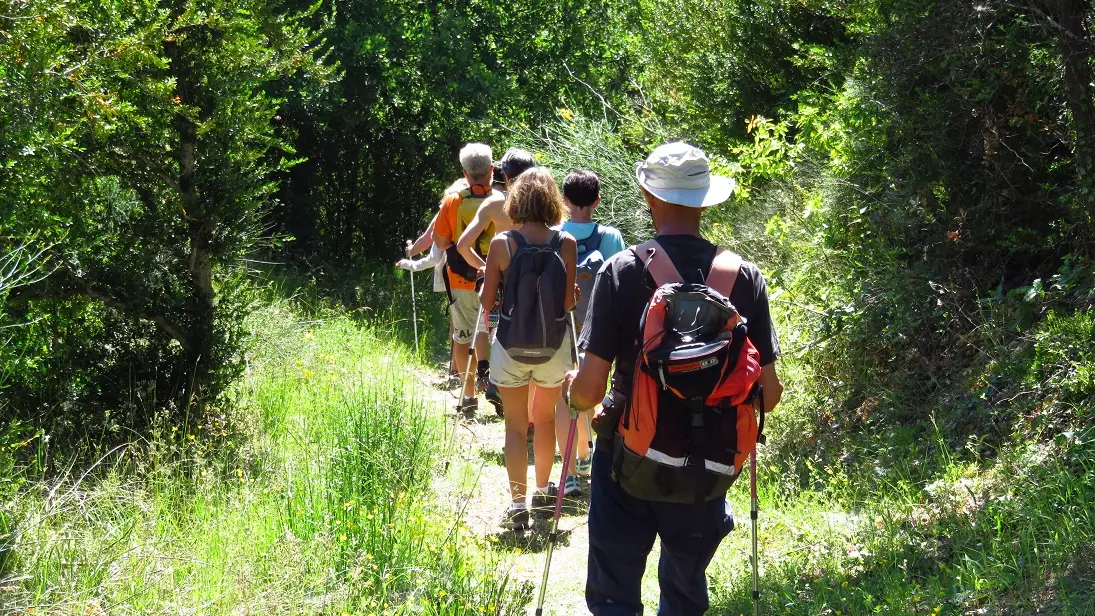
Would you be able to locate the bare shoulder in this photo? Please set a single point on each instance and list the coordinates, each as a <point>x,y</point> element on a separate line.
<point>494,202</point>
<point>495,210</point>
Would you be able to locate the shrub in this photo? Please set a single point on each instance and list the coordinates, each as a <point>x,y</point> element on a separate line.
<point>577,142</point>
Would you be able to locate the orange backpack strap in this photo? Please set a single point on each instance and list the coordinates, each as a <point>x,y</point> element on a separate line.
<point>654,260</point>
<point>724,271</point>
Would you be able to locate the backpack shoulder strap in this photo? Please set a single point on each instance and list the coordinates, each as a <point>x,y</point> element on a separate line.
<point>464,194</point>
<point>724,271</point>
<point>509,251</point>
<point>556,241</point>
<point>518,239</point>
<point>594,239</point>
<point>653,257</point>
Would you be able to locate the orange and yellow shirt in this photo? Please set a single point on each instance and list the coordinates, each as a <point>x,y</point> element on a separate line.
<point>457,211</point>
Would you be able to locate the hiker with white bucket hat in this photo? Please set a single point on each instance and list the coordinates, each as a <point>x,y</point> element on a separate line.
<point>680,419</point>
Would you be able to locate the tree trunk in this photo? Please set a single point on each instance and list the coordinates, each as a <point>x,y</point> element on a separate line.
<point>201,225</point>
<point>1066,18</point>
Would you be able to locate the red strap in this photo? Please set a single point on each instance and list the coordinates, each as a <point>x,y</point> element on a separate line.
<point>724,271</point>
<point>653,257</point>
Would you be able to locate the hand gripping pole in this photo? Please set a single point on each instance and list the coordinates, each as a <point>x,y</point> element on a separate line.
<point>577,354</point>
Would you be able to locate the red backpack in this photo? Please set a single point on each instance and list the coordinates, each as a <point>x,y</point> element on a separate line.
<point>692,418</point>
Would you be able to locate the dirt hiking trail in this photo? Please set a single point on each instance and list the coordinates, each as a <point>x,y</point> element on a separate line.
<point>475,486</point>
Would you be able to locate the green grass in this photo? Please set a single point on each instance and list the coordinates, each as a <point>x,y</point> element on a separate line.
<point>920,527</point>
<point>314,495</point>
<point>321,503</point>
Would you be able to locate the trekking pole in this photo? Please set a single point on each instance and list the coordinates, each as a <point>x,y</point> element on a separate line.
<point>414,307</point>
<point>753,505</point>
<point>463,384</point>
<point>574,339</point>
<point>554,536</point>
<point>753,516</point>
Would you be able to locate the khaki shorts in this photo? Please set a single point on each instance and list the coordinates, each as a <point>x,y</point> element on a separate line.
<point>508,372</point>
<point>464,307</point>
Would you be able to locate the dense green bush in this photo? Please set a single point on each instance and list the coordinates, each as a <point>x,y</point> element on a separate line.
<point>709,66</point>
<point>418,82</point>
<point>136,139</point>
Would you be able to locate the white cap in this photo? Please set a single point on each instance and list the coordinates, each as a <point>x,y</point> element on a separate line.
<point>680,173</point>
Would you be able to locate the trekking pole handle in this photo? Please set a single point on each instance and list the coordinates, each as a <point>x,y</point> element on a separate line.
<point>566,397</point>
<point>761,439</point>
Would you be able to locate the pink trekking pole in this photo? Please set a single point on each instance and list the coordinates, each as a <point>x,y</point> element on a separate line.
<point>554,536</point>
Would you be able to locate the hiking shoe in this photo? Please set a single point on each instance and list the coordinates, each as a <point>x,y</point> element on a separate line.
<point>469,406</point>
<point>545,499</point>
<point>571,488</point>
<point>516,520</point>
<point>585,466</point>
<point>452,382</point>
<point>495,398</point>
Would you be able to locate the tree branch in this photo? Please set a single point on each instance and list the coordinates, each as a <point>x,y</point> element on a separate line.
<point>146,315</point>
<point>73,286</point>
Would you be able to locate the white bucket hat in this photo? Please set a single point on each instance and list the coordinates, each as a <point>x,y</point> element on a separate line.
<point>680,173</point>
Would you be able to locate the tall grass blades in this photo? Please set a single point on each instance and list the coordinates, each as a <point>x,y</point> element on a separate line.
<point>576,142</point>
<point>324,508</point>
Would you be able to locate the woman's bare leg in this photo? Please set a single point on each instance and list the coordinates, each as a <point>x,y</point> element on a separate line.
<point>515,402</point>
<point>543,440</point>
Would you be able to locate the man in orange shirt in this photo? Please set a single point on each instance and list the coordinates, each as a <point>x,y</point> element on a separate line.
<point>457,211</point>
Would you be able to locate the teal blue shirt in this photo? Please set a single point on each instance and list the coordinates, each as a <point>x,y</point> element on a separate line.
<point>611,240</point>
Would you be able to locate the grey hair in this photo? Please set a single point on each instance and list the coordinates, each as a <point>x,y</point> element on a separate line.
<point>476,159</point>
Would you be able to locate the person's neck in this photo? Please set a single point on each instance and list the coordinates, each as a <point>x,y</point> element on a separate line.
<point>677,227</point>
<point>581,214</point>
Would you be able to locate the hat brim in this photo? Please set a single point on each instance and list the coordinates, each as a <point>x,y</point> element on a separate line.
<point>718,191</point>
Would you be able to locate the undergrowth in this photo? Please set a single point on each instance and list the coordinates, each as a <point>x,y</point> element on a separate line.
<point>318,503</point>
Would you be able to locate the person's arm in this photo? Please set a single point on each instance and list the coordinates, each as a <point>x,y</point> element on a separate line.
<point>588,383</point>
<point>424,241</point>
<point>417,265</point>
<point>466,243</point>
<point>442,229</point>
<point>601,342</point>
<point>570,259</point>
<point>762,333</point>
<point>488,295</point>
<point>773,388</point>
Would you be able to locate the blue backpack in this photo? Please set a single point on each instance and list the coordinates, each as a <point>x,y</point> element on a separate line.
<point>590,260</point>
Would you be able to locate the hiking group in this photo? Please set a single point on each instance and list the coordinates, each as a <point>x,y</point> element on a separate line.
<point>675,358</point>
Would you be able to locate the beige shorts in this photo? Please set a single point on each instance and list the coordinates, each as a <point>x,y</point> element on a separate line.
<point>508,372</point>
<point>463,310</point>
